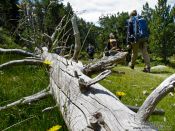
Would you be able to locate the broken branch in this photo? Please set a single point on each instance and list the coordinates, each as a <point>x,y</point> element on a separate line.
<point>20,62</point>
<point>104,63</point>
<point>28,99</point>
<point>155,97</point>
<point>16,51</point>
<point>101,76</point>
<point>77,39</point>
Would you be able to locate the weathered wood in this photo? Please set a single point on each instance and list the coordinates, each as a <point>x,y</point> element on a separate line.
<point>22,62</point>
<point>77,39</point>
<point>80,109</point>
<point>17,51</point>
<point>49,108</point>
<point>104,63</point>
<point>155,112</point>
<point>28,99</point>
<point>155,97</point>
<point>85,85</point>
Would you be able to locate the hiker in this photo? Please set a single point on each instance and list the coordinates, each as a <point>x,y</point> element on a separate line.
<point>90,50</point>
<point>112,46</point>
<point>137,37</point>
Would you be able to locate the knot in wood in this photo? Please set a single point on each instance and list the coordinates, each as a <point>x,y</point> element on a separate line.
<point>96,121</point>
<point>76,74</point>
<point>82,84</point>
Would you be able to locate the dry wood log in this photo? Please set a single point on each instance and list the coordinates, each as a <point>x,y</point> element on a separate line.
<point>104,63</point>
<point>96,108</point>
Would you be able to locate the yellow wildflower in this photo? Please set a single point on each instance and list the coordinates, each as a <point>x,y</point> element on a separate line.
<point>55,128</point>
<point>120,93</point>
<point>48,62</point>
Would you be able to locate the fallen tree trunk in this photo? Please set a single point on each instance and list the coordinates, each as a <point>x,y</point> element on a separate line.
<point>94,109</point>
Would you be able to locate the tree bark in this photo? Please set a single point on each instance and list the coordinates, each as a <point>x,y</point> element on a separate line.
<point>16,51</point>
<point>94,109</point>
<point>155,97</point>
<point>104,63</point>
<point>77,39</point>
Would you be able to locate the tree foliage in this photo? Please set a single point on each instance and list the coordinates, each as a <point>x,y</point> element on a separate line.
<point>9,14</point>
<point>160,25</point>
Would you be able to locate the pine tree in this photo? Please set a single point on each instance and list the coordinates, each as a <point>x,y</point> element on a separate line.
<point>147,12</point>
<point>159,43</point>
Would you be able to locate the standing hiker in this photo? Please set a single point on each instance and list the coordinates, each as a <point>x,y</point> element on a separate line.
<point>90,50</point>
<point>137,37</point>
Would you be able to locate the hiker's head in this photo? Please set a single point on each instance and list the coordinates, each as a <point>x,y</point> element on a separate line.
<point>111,35</point>
<point>133,13</point>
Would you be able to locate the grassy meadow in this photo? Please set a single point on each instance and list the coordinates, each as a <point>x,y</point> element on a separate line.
<point>20,81</point>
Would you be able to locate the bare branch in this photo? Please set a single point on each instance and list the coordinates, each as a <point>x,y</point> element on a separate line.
<point>105,63</point>
<point>85,38</point>
<point>35,58</point>
<point>24,39</point>
<point>38,96</point>
<point>57,29</point>
<point>55,41</point>
<point>47,36</point>
<point>49,108</point>
<point>155,112</point>
<point>84,85</point>
<point>20,62</point>
<point>68,31</point>
<point>16,51</point>
<point>155,97</point>
<point>77,39</point>
<point>18,123</point>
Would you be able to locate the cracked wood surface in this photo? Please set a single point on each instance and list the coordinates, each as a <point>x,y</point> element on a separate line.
<point>78,108</point>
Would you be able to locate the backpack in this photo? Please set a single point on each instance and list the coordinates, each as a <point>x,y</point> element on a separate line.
<point>90,50</point>
<point>137,29</point>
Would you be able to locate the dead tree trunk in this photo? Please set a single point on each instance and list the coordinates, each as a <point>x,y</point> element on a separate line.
<point>94,108</point>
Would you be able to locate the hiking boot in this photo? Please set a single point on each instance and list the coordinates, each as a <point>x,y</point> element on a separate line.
<point>147,70</point>
<point>131,66</point>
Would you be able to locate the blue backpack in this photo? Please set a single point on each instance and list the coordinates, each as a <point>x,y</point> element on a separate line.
<point>137,29</point>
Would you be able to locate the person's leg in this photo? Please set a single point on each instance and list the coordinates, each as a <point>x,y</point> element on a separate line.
<point>134,54</point>
<point>145,56</point>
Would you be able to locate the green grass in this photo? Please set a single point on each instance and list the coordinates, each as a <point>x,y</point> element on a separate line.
<point>133,83</point>
<point>20,81</point>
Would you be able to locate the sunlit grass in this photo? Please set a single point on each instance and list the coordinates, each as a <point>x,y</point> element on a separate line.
<point>20,81</point>
<point>138,85</point>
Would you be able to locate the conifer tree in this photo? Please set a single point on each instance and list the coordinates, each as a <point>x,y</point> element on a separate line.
<point>159,43</point>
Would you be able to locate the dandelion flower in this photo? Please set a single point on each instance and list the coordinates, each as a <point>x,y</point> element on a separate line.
<point>47,62</point>
<point>120,94</point>
<point>55,128</point>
